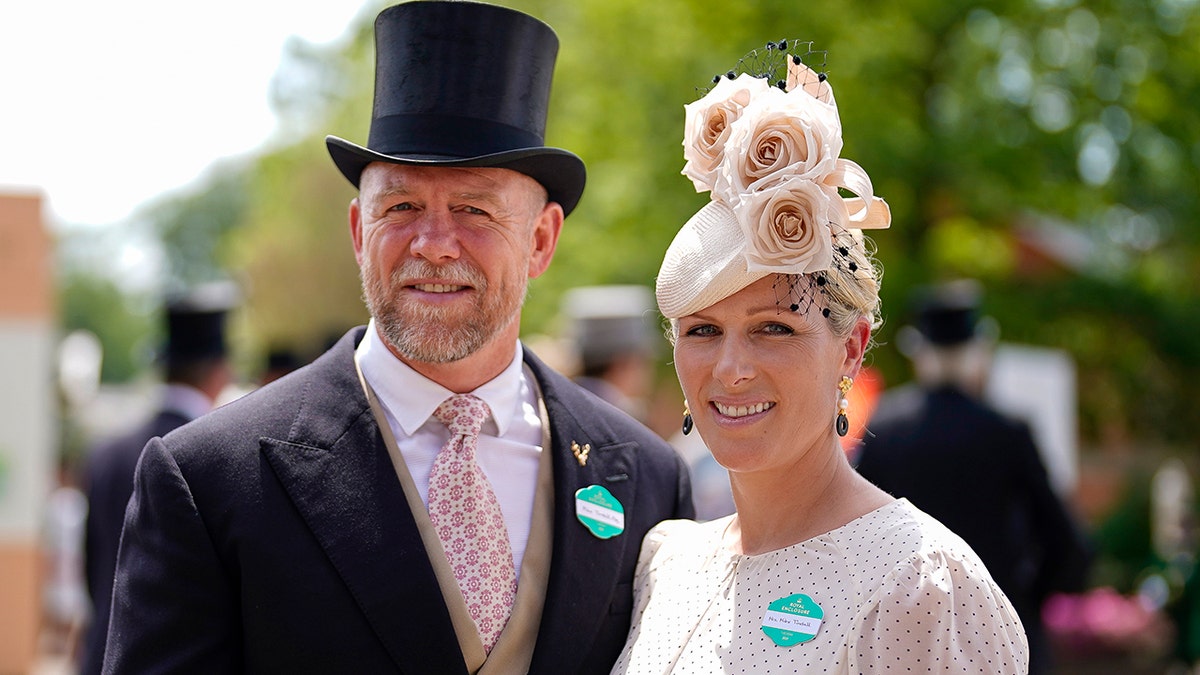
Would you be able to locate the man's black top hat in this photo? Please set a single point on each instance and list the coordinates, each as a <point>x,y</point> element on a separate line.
<point>195,322</point>
<point>463,84</point>
<point>948,314</point>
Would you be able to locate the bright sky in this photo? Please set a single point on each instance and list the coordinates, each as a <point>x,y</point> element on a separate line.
<point>106,105</point>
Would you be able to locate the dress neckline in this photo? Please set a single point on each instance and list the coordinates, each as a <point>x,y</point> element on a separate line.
<point>735,557</point>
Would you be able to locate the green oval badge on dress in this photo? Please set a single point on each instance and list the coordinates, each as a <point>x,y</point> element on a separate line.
<point>599,511</point>
<point>792,620</point>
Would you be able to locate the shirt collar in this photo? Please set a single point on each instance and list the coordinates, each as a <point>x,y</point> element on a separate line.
<point>411,397</point>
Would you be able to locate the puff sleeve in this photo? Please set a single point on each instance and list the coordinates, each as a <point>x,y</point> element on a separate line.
<point>940,613</point>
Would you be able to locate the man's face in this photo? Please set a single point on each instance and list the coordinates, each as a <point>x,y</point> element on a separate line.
<point>445,255</point>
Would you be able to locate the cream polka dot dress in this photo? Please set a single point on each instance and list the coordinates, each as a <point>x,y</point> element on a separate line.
<point>897,591</point>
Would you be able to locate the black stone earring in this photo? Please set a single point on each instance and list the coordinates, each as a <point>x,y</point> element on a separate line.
<point>687,419</point>
<point>843,423</point>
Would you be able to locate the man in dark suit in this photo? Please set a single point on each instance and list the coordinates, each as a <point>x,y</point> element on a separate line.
<point>937,443</point>
<point>197,369</point>
<point>292,530</point>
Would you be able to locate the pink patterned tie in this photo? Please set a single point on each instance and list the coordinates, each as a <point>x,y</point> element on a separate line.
<point>467,518</point>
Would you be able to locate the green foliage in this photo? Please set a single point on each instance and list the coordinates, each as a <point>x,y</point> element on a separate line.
<point>127,335</point>
<point>193,227</point>
<point>1124,538</point>
<point>301,281</point>
<point>1047,147</point>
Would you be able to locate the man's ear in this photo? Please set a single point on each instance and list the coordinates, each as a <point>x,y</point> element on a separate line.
<point>355,217</point>
<point>546,228</point>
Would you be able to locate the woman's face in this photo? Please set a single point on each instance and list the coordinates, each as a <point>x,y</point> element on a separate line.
<point>761,381</point>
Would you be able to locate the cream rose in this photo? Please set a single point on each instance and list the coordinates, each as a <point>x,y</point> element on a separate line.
<point>788,227</point>
<point>706,126</point>
<point>780,136</point>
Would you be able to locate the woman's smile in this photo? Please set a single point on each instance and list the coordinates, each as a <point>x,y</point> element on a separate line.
<point>745,410</point>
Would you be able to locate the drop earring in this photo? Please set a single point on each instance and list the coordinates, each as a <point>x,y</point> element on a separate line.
<point>843,423</point>
<point>687,418</point>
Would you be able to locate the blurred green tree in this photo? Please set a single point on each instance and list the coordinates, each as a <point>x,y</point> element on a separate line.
<point>1047,147</point>
<point>126,332</point>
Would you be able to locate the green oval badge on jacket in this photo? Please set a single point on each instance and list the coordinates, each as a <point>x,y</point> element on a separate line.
<point>599,511</point>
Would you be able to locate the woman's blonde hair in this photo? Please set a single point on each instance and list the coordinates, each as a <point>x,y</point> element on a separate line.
<point>853,288</point>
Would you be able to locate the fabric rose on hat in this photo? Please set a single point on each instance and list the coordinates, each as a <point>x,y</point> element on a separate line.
<point>787,227</point>
<point>782,135</point>
<point>707,123</point>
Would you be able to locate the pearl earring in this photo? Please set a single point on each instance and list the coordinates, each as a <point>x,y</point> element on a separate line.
<point>843,423</point>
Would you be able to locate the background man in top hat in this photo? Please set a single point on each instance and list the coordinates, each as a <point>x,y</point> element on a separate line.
<point>939,444</point>
<point>613,332</point>
<point>196,371</point>
<point>313,525</point>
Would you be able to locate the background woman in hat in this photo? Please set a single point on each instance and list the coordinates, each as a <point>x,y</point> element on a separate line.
<point>772,297</point>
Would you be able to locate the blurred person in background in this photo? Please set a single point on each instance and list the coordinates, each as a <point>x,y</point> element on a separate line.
<point>280,361</point>
<point>196,370</point>
<point>427,496</point>
<point>613,331</point>
<point>939,444</point>
<point>64,594</point>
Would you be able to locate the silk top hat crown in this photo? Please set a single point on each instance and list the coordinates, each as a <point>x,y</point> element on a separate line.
<point>463,84</point>
<point>608,322</point>
<point>948,314</point>
<point>195,323</point>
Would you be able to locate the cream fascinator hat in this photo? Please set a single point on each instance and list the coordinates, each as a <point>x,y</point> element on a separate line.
<point>765,144</point>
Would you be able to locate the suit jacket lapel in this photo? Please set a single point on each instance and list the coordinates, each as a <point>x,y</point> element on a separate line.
<point>584,568</point>
<point>336,469</point>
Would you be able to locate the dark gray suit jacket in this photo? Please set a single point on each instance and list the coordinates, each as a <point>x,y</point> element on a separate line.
<point>272,535</point>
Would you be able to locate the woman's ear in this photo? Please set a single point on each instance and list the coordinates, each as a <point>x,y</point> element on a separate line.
<point>856,347</point>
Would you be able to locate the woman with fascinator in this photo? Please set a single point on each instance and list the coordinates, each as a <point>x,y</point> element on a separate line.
<point>772,296</point>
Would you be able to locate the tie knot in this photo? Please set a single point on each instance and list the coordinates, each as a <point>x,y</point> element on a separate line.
<point>463,414</point>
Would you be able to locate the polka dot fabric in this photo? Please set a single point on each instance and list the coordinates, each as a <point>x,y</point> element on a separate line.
<point>464,511</point>
<point>900,594</point>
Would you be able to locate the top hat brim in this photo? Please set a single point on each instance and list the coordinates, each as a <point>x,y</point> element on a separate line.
<point>560,172</point>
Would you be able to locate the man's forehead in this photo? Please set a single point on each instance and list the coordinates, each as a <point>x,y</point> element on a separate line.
<point>404,176</point>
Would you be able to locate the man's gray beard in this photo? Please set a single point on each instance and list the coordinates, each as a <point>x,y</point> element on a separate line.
<point>427,334</point>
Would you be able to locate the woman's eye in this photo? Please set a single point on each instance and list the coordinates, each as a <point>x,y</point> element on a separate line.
<point>702,330</point>
<point>778,329</point>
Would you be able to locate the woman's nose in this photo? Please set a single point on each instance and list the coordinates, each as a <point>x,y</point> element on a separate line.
<point>734,365</point>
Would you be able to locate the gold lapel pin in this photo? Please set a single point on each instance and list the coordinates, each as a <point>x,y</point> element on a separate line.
<point>581,454</point>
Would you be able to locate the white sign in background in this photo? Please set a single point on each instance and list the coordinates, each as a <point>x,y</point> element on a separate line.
<point>1037,385</point>
<point>27,438</point>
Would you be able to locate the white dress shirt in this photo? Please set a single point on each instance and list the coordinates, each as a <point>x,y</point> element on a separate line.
<point>510,443</point>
